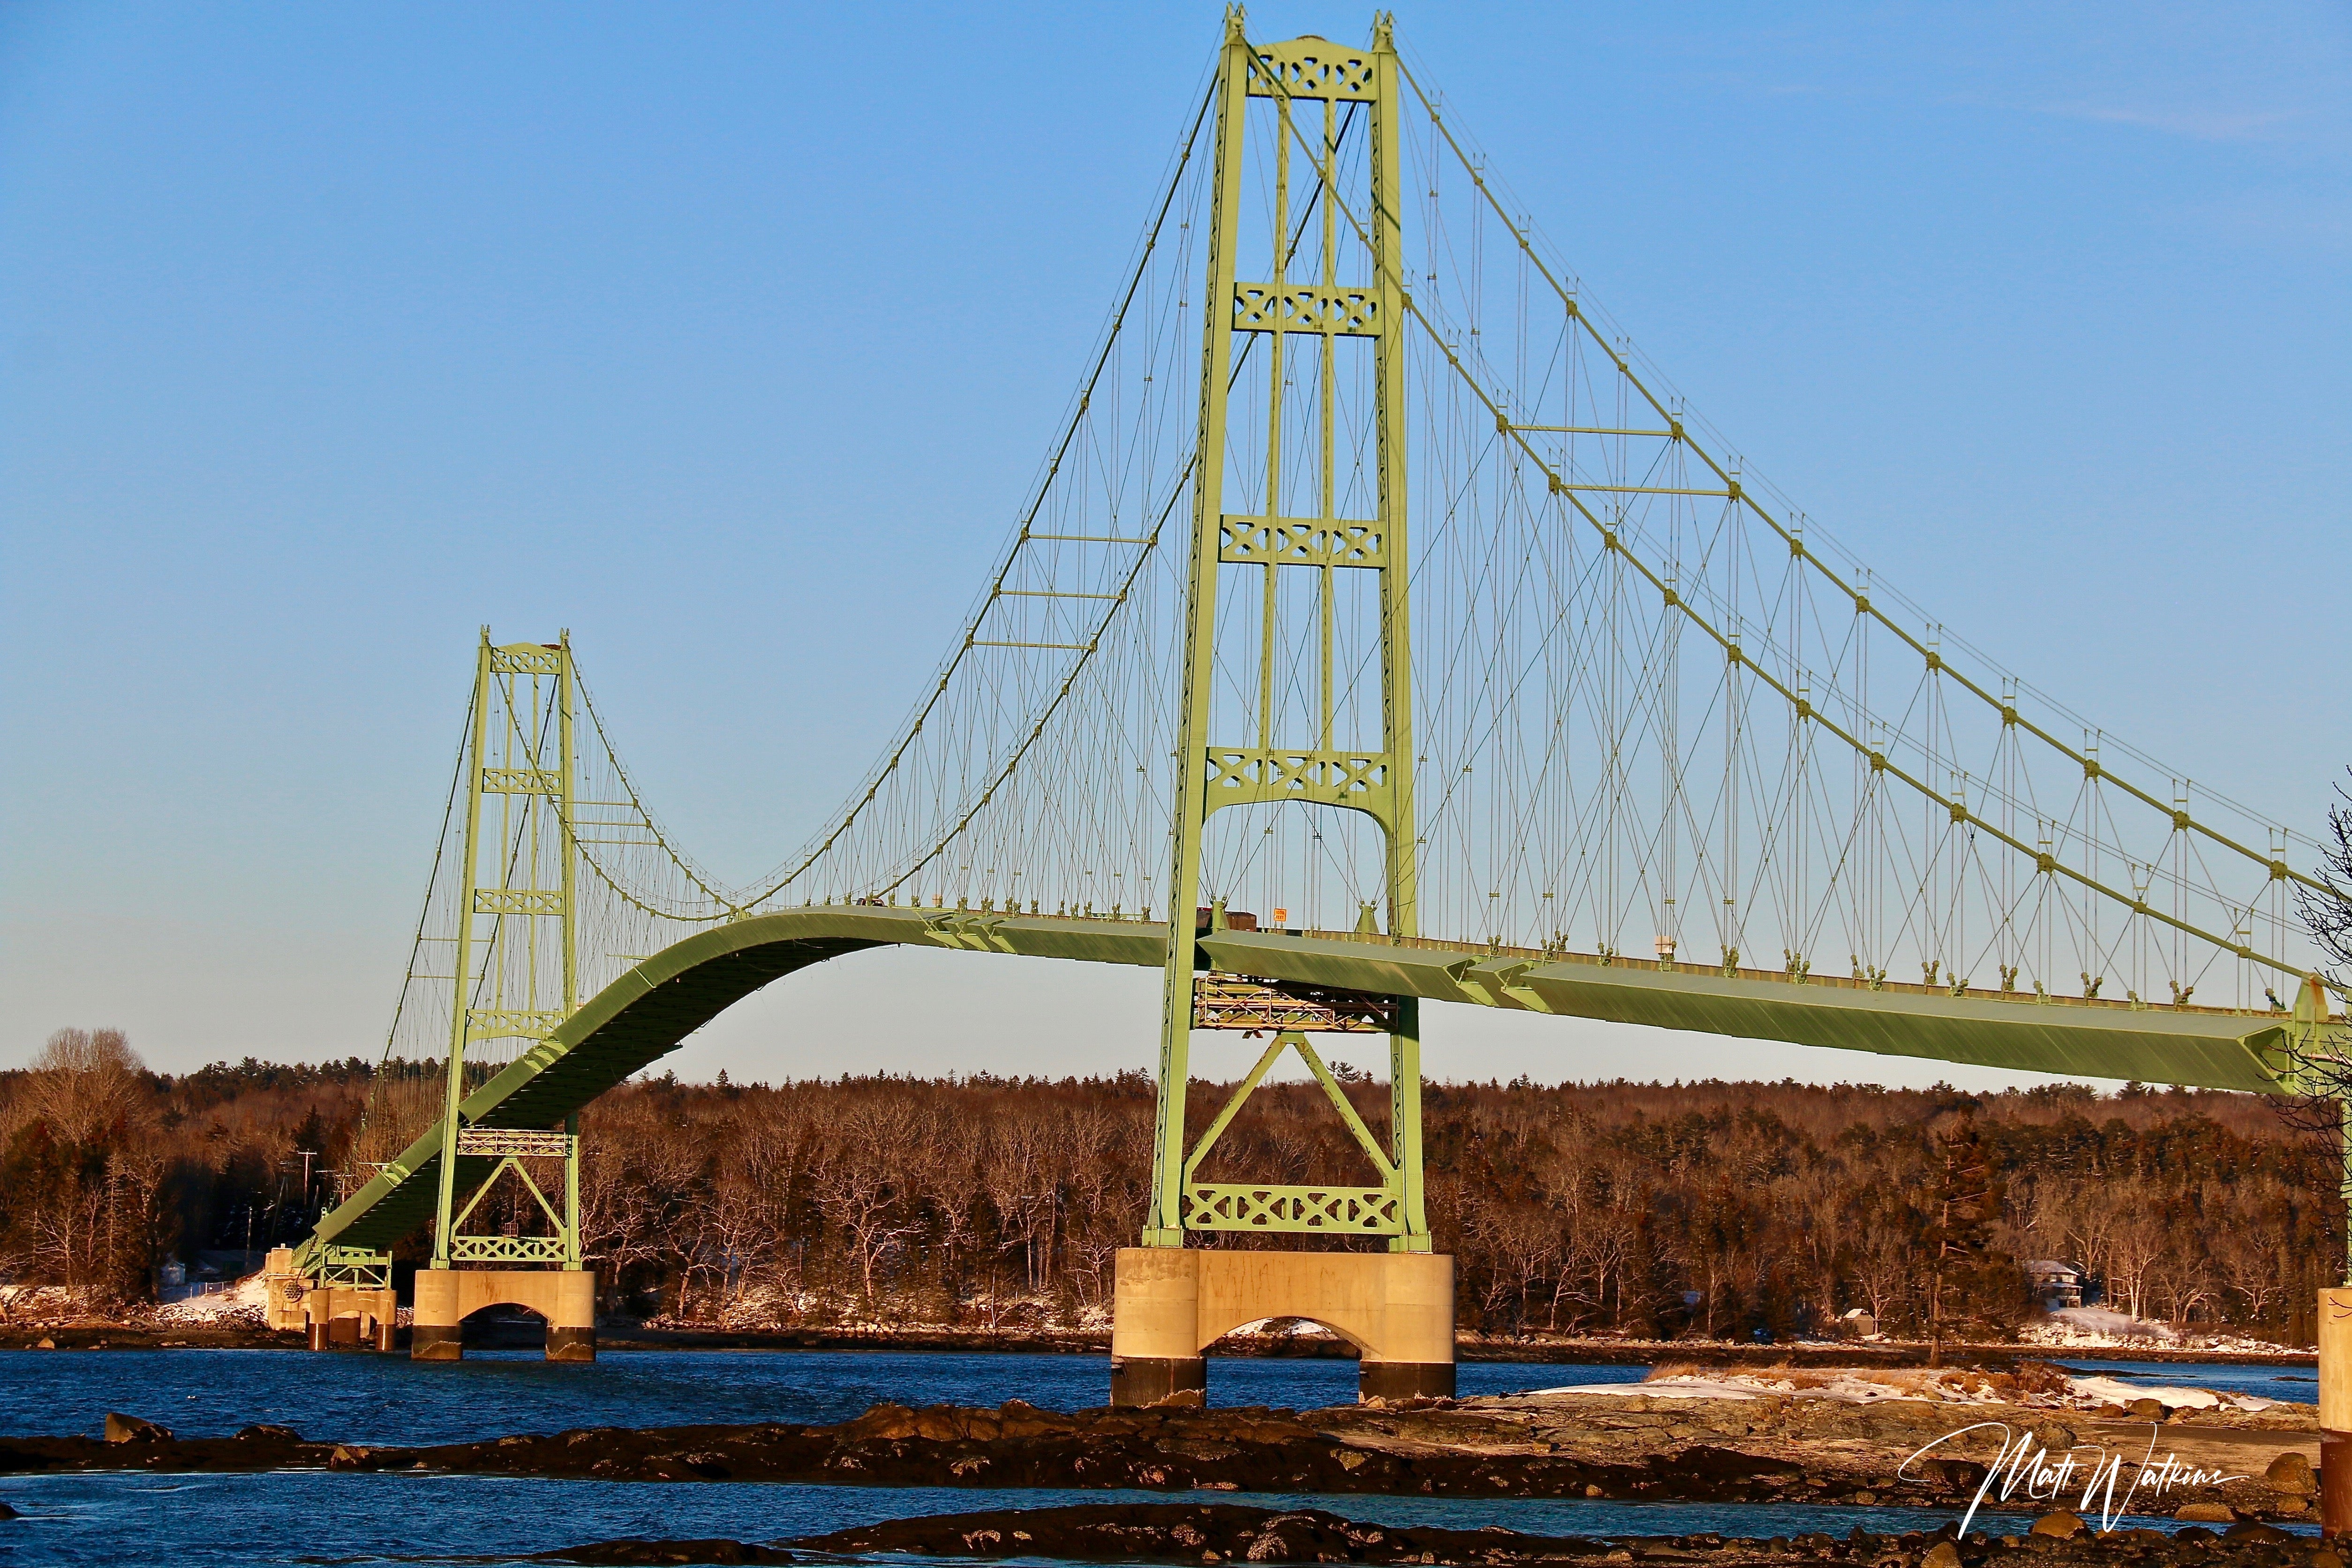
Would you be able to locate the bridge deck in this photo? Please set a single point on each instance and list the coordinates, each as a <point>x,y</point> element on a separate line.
<point>650,1010</point>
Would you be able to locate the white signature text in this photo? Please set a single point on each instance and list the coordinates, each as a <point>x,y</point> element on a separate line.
<point>2026,1469</point>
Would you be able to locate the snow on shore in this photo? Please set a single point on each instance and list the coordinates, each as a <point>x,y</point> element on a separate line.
<point>2047,1387</point>
<point>2097,1391</point>
<point>247,1297</point>
<point>1849,1386</point>
<point>2102,1327</point>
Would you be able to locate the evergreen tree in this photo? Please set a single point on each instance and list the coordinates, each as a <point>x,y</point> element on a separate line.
<point>1972,1284</point>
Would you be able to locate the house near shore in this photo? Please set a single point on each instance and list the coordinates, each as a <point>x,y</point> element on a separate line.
<point>2056,1285</point>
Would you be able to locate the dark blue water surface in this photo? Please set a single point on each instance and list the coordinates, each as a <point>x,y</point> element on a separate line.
<point>313,1518</point>
<point>362,1397</point>
<point>2298,1385</point>
<point>309,1517</point>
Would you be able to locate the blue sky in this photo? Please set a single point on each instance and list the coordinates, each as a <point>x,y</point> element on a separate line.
<point>728,337</point>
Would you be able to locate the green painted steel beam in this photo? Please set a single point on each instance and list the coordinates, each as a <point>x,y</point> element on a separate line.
<point>2208,1049</point>
<point>651,1010</point>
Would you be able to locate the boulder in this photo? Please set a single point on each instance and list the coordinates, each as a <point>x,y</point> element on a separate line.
<point>2292,1473</point>
<point>884,1422</point>
<point>1019,1419</point>
<point>2053,1437</point>
<point>121,1428</point>
<point>2063,1525</point>
<point>940,1424</point>
<point>2205,1513</point>
<point>265,1432</point>
<point>1943,1554</point>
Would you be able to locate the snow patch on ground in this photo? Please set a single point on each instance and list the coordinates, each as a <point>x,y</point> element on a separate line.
<point>38,1301</point>
<point>246,1297</point>
<point>2102,1328</point>
<point>2115,1391</point>
<point>1858,1386</point>
<point>1279,1328</point>
<point>1670,1388</point>
<point>2044,1387</point>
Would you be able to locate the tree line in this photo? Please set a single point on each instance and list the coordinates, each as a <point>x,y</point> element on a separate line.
<point>1646,1210</point>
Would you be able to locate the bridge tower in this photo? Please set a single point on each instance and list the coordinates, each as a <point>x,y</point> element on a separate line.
<point>514,975</point>
<point>1173,1301</point>
<point>516,959</point>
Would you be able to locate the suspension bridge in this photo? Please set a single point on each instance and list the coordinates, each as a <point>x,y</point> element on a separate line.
<point>1381,627</point>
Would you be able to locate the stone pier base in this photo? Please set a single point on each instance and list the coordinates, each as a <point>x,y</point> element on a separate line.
<point>2335,1412</point>
<point>325,1315</point>
<point>1172,1303</point>
<point>342,1315</point>
<point>566,1298</point>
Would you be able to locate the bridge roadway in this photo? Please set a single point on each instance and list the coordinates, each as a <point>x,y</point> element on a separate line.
<point>649,1011</point>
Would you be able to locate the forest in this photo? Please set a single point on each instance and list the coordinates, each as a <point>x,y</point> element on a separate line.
<point>1640,1210</point>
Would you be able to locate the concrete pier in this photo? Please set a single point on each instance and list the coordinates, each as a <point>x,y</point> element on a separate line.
<point>1172,1303</point>
<point>326,1315</point>
<point>566,1298</point>
<point>342,1315</point>
<point>2335,1411</point>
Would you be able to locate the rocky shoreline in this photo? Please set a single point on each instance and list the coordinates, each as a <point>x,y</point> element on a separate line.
<point>1213,1533</point>
<point>1634,1447</point>
<point>1416,1452</point>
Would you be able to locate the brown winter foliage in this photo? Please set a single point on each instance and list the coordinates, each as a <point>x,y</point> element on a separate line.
<point>1638,1209</point>
<point>108,1171</point>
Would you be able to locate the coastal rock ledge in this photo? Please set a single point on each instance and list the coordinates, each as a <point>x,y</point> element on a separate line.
<point>1208,1533</point>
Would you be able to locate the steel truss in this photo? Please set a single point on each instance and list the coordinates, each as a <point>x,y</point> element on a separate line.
<point>1305,78</point>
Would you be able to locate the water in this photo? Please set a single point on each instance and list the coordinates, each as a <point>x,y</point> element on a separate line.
<point>206,1519</point>
<point>2298,1385</point>
<point>306,1517</point>
<point>360,1397</point>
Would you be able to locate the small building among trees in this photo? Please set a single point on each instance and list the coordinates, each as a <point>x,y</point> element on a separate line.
<point>2056,1285</point>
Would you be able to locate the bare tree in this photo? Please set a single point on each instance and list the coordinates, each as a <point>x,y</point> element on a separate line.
<point>86,1084</point>
<point>856,1185</point>
<point>1885,1261</point>
<point>2135,1246</point>
<point>1521,1243</point>
<point>1019,1173</point>
<point>2251,1262</point>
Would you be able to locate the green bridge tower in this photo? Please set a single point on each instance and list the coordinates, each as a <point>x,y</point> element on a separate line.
<point>1173,1301</point>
